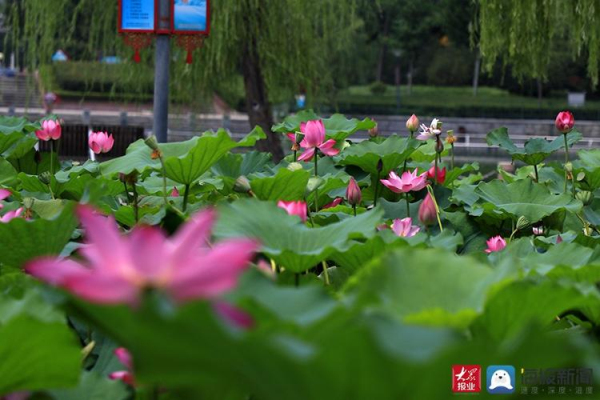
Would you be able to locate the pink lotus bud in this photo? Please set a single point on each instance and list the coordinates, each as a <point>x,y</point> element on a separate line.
<point>495,244</point>
<point>441,174</point>
<point>101,142</point>
<point>294,208</point>
<point>559,239</point>
<point>412,124</point>
<point>175,192</point>
<point>51,129</point>
<point>427,211</point>
<point>234,315</point>
<point>353,193</point>
<point>336,202</point>
<point>564,121</point>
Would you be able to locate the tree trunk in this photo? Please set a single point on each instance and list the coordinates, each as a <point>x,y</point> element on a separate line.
<point>411,68</point>
<point>476,73</point>
<point>257,102</point>
<point>383,50</point>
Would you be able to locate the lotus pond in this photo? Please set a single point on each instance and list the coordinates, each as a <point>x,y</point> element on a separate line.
<point>349,270</point>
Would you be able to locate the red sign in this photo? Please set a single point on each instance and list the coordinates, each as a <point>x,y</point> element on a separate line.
<point>466,378</point>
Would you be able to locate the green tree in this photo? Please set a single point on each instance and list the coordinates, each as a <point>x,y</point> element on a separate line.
<point>278,46</point>
<point>521,33</point>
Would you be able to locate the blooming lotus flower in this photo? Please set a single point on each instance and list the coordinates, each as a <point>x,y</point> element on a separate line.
<point>564,121</point>
<point>428,132</point>
<point>314,138</point>
<point>496,243</point>
<point>175,192</point>
<point>125,359</point>
<point>538,230</point>
<point>101,142</point>
<point>336,202</point>
<point>10,215</point>
<point>440,177</point>
<point>51,129</point>
<point>294,208</point>
<point>119,269</point>
<point>427,211</point>
<point>410,181</point>
<point>353,193</point>
<point>412,124</point>
<point>405,228</point>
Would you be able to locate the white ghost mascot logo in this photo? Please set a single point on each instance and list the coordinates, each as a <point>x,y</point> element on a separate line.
<point>501,378</point>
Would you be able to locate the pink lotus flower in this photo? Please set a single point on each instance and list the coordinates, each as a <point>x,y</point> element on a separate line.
<point>125,359</point>
<point>6,218</point>
<point>538,230</point>
<point>441,174</point>
<point>559,239</point>
<point>120,269</point>
<point>427,211</point>
<point>51,129</point>
<point>292,137</point>
<point>4,193</point>
<point>429,132</point>
<point>174,192</point>
<point>412,124</point>
<point>336,202</point>
<point>314,138</point>
<point>101,142</point>
<point>410,181</point>
<point>294,208</point>
<point>405,228</point>
<point>496,243</point>
<point>353,193</point>
<point>564,121</point>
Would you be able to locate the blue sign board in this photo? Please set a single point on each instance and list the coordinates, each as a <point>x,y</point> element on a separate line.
<point>137,15</point>
<point>191,16</point>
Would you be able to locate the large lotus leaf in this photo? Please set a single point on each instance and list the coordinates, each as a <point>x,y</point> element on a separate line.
<point>24,240</point>
<point>360,254</point>
<point>286,185</point>
<point>366,155</point>
<point>93,386</point>
<point>337,126</point>
<point>589,158</point>
<point>535,150</point>
<point>8,174</point>
<point>207,151</point>
<point>292,245</point>
<point>37,355</point>
<point>400,283</point>
<point>8,140</point>
<point>234,165</point>
<point>525,198</point>
<point>521,303</point>
<point>455,173</point>
<point>9,125</point>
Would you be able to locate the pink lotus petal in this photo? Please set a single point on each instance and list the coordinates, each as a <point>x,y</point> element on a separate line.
<point>336,202</point>
<point>54,271</point>
<point>314,133</point>
<point>192,236</point>
<point>124,376</point>
<point>11,215</point>
<point>291,136</point>
<point>297,208</point>
<point>495,244</point>
<point>234,315</point>
<point>328,149</point>
<point>215,273</point>
<point>148,252</point>
<point>4,193</point>
<point>404,227</point>
<point>307,155</point>
<point>124,357</point>
<point>102,288</point>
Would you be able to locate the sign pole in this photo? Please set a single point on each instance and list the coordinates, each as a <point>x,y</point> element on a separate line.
<point>161,72</point>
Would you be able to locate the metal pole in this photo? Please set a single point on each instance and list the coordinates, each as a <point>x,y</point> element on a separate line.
<point>161,76</point>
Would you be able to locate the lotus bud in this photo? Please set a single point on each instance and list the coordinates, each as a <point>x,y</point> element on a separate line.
<point>373,132</point>
<point>175,192</point>
<point>295,166</point>
<point>412,124</point>
<point>564,122</point>
<point>427,211</point>
<point>522,223</point>
<point>353,193</point>
<point>586,197</point>
<point>439,145</point>
<point>152,143</point>
<point>569,167</point>
<point>538,230</point>
<point>242,185</point>
<point>587,230</point>
<point>45,177</point>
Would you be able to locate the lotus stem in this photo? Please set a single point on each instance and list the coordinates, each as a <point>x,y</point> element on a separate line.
<point>566,160</point>
<point>435,169</point>
<point>376,188</point>
<point>354,208</point>
<point>535,168</point>
<point>185,196</point>
<point>51,157</point>
<point>325,273</point>
<point>316,176</point>
<point>136,204</point>
<point>451,155</point>
<point>437,208</point>
<point>407,205</point>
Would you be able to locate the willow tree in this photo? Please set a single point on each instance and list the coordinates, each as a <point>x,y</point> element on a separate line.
<point>277,46</point>
<point>521,33</point>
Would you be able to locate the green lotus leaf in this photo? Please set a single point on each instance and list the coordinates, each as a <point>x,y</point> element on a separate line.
<point>337,126</point>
